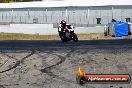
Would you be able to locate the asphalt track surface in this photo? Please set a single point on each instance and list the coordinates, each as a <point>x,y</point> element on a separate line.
<point>53,64</point>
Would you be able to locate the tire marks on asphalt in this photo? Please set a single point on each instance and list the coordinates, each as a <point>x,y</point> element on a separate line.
<point>1,86</point>
<point>18,62</point>
<point>48,69</point>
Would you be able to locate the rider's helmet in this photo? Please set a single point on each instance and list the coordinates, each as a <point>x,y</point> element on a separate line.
<point>63,23</point>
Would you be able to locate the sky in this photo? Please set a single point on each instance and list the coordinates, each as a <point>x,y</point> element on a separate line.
<point>63,3</point>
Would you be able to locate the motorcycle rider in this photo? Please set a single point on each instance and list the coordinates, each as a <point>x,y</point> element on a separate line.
<point>62,26</point>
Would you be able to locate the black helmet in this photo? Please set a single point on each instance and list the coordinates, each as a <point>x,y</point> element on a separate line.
<point>63,22</point>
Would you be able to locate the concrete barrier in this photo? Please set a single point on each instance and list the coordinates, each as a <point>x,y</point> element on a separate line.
<point>45,29</point>
<point>88,30</point>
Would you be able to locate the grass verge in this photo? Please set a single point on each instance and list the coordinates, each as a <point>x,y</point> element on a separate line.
<point>92,36</point>
<point>18,36</point>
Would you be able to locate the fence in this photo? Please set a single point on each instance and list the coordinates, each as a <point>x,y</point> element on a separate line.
<point>84,16</point>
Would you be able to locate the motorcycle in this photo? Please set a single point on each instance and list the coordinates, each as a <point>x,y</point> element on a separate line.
<point>68,34</point>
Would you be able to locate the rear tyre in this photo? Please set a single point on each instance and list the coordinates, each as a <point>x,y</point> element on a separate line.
<point>129,32</point>
<point>106,30</point>
<point>75,38</point>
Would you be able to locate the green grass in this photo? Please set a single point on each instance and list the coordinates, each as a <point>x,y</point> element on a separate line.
<point>18,36</point>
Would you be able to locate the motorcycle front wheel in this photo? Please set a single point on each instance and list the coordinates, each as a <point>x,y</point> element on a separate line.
<point>64,39</point>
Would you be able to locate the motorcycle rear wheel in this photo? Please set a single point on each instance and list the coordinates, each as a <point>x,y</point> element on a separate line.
<point>75,38</point>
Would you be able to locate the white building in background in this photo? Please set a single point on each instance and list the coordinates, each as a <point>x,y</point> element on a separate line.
<point>77,12</point>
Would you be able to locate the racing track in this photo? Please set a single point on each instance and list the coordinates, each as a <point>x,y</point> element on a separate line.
<point>52,64</point>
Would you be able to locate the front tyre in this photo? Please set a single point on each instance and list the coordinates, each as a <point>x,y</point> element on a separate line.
<point>64,39</point>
